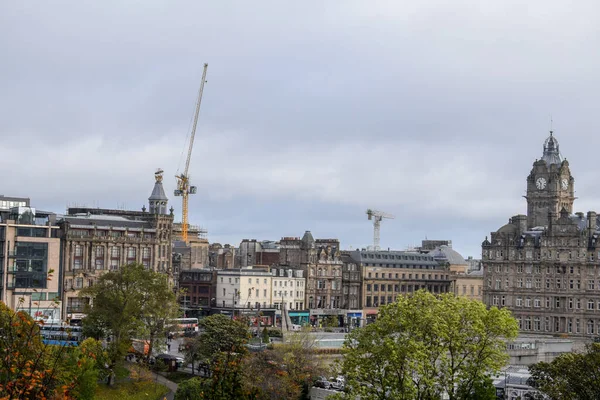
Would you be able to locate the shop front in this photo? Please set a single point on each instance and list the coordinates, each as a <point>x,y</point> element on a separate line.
<point>327,318</point>
<point>371,316</point>
<point>354,320</point>
<point>300,317</point>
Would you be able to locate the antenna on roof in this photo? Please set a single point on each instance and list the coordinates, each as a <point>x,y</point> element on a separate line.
<point>551,131</point>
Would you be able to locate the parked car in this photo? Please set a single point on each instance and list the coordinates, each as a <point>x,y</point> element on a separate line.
<point>337,383</point>
<point>322,382</point>
<point>167,359</point>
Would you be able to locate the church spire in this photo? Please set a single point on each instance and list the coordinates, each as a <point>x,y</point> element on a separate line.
<point>158,200</point>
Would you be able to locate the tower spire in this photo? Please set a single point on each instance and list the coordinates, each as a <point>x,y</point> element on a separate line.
<point>158,200</point>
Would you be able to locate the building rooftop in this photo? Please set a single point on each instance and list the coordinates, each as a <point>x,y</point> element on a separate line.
<point>551,151</point>
<point>244,271</point>
<point>106,221</point>
<point>447,254</point>
<point>392,257</point>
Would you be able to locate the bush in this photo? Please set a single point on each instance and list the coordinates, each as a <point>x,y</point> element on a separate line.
<point>273,332</point>
<point>189,390</point>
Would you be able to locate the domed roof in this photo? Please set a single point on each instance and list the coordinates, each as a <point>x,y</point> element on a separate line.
<point>508,229</point>
<point>447,254</point>
<point>551,151</point>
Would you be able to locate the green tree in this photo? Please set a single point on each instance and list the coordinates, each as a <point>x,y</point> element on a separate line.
<point>265,335</point>
<point>570,376</point>
<point>29,369</point>
<point>286,371</point>
<point>424,345</point>
<point>85,366</point>
<point>190,389</point>
<point>119,312</point>
<point>159,306</point>
<point>221,348</point>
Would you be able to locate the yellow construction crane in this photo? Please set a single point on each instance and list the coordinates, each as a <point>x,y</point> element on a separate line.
<point>183,180</point>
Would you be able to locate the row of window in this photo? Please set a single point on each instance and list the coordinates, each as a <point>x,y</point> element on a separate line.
<point>527,302</point>
<point>546,256</point>
<point>299,283</point>
<point>549,283</point>
<point>113,264</point>
<point>114,234</point>
<point>115,252</point>
<point>378,300</point>
<point>464,290</point>
<point>573,325</point>
<point>396,257</point>
<point>538,269</point>
<point>321,302</point>
<point>410,276</point>
<point>299,306</point>
<point>335,285</point>
<point>324,272</point>
<point>249,280</point>
<point>299,293</point>
<point>250,293</point>
<point>77,283</point>
<point>407,266</point>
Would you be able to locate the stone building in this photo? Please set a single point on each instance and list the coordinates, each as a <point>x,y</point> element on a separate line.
<point>389,274</point>
<point>351,290</point>
<point>288,288</point>
<point>544,265</point>
<point>246,292</point>
<point>194,253</point>
<point>221,257</point>
<point>200,287</point>
<point>253,252</point>
<point>322,265</point>
<point>465,282</point>
<point>29,259</point>
<point>351,283</point>
<point>94,241</point>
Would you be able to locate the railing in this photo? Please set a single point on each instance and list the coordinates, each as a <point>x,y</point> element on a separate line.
<point>14,253</point>
<point>522,352</point>
<point>13,268</point>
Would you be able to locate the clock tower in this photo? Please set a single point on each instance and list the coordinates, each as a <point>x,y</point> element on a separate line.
<point>550,186</point>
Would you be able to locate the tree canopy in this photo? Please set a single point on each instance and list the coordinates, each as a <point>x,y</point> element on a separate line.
<point>287,370</point>
<point>29,369</point>
<point>425,345</point>
<point>570,376</point>
<point>131,302</point>
<point>220,348</point>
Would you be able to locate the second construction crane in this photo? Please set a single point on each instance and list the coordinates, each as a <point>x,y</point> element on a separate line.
<point>377,217</point>
<point>184,189</point>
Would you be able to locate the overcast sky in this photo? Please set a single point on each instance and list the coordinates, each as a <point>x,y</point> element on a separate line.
<point>314,111</point>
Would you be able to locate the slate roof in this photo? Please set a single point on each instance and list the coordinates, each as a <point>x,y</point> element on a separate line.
<point>158,193</point>
<point>551,151</point>
<point>447,254</point>
<point>104,221</point>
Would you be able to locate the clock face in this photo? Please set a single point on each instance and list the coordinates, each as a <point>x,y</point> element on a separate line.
<point>540,183</point>
<point>564,184</point>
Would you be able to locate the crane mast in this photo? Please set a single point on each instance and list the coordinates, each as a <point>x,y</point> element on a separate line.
<point>377,217</point>
<point>183,180</point>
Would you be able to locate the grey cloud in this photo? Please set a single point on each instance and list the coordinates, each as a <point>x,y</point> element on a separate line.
<point>313,111</point>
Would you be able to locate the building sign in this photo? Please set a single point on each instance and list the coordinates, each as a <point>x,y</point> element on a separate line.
<point>327,311</point>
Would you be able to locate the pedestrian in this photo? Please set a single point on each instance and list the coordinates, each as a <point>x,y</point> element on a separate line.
<point>168,346</point>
